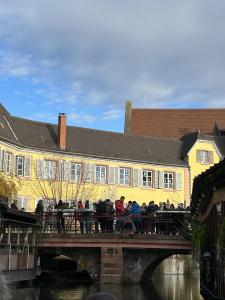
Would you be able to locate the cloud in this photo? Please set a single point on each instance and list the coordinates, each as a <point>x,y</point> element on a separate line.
<point>15,64</point>
<point>113,114</point>
<point>44,117</point>
<point>101,52</point>
<point>82,118</point>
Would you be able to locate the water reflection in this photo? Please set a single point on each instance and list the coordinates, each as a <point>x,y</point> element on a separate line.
<point>167,287</point>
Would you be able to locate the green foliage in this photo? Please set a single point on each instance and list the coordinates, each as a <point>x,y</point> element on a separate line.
<point>196,237</point>
<point>222,235</point>
<point>202,238</point>
<point>8,185</point>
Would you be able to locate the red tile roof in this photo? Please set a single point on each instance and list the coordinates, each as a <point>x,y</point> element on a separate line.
<point>175,123</point>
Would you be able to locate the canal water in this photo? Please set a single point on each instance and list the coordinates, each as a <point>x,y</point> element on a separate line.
<point>162,287</point>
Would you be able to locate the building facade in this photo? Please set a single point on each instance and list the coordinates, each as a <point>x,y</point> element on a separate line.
<point>70,163</point>
<point>56,161</point>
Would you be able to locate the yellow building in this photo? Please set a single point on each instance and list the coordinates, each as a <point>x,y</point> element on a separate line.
<point>56,162</point>
<point>202,151</point>
<point>70,163</point>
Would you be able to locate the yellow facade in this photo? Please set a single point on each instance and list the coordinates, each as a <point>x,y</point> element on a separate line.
<point>196,167</point>
<point>32,189</point>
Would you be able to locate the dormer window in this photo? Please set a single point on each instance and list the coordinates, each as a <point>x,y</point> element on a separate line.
<point>204,157</point>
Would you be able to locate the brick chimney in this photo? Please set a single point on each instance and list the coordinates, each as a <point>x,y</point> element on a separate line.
<point>62,131</point>
<point>127,123</point>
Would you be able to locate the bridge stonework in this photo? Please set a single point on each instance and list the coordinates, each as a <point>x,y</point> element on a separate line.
<point>115,259</point>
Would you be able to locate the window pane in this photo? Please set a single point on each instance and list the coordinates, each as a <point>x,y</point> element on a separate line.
<point>20,165</point>
<point>168,180</point>
<point>100,174</point>
<point>124,176</point>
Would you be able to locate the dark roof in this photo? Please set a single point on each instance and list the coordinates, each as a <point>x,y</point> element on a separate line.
<point>188,142</point>
<point>175,123</point>
<point>220,142</point>
<point>190,139</point>
<point>94,143</point>
<point>6,131</point>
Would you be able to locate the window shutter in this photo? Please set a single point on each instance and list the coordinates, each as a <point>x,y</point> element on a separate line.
<point>19,202</point>
<point>40,167</point>
<point>111,178</point>
<point>210,157</point>
<point>12,164</point>
<point>27,166</point>
<point>161,179</point>
<point>156,179</point>
<point>25,203</point>
<point>87,173</point>
<point>178,181</point>
<point>15,165</point>
<point>116,175</point>
<point>65,170</point>
<point>22,202</point>
<point>3,160</point>
<point>198,156</point>
<point>135,177</point>
<point>93,172</point>
<point>140,177</point>
<point>60,170</point>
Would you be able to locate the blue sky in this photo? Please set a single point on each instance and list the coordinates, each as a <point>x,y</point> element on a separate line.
<point>87,57</point>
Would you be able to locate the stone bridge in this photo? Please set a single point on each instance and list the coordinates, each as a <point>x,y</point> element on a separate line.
<point>116,257</point>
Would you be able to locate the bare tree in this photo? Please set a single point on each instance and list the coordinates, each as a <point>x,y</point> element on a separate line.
<point>110,192</point>
<point>60,180</point>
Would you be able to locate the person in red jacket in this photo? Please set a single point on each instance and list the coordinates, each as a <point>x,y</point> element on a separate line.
<point>120,211</point>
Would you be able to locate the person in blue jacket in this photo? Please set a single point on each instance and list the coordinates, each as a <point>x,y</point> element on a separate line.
<point>135,210</point>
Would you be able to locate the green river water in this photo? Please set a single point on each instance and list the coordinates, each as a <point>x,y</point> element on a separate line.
<point>165,287</point>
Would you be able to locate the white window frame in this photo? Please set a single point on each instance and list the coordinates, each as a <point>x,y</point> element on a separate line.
<point>20,161</point>
<point>169,180</point>
<point>204,156</point>
<point>100,174</point>
<point>75,171</point>
<point>147,183</point>
<point>124,176</point>
<point>50,167</point>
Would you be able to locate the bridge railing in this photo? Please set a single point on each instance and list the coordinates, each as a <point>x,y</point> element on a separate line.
<point>89,222</point>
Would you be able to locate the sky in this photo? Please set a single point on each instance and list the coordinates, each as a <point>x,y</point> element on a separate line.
<point>87,57</point>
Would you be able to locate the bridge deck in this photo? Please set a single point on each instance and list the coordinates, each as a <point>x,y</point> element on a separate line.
<point>111,241</point>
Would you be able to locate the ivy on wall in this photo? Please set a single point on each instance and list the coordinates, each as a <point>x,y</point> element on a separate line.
<point>202,238</point>
<point>222,234</point>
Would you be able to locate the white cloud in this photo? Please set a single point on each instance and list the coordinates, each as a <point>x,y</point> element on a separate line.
<point>15,64</point>
<point>99,53</point>
<point>81,118</point>
<point>44,117</point>
<point>112,114</point>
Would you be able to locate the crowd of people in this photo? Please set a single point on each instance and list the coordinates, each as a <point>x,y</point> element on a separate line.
<point>106,216</point>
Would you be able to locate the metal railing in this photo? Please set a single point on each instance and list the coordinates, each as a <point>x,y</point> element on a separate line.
<point>89,222</point>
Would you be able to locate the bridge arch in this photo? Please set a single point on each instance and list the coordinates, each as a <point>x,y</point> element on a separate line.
<point>140,264</point>
<point>151,268</point>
